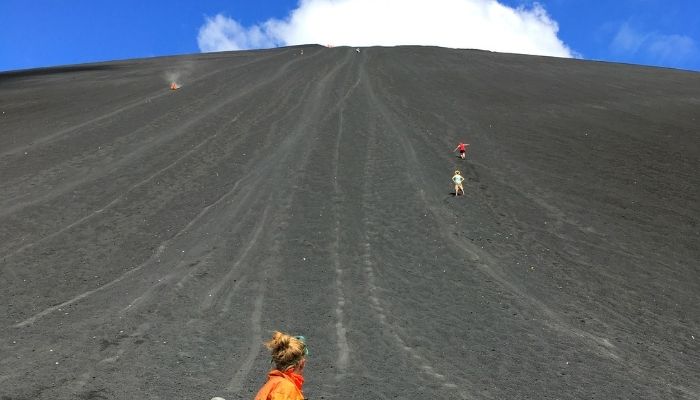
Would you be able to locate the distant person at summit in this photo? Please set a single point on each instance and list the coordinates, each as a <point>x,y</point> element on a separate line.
<point>462,147</point>
<point>458,179</point>
<point>289,356</point>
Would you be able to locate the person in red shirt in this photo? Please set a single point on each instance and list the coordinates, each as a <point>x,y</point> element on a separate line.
<point>289,356</point>
<point>462,147</point>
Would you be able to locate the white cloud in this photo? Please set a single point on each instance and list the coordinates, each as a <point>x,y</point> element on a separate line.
<point>627,40</point>
<point>672,49</point>
<point>479,24</point>
<point>653,46</point>
<point>222,34</point>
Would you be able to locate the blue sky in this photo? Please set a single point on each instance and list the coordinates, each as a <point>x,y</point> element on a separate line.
<point>38,33</point>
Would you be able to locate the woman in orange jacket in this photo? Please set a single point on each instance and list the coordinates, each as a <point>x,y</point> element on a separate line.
<point>285,381</point>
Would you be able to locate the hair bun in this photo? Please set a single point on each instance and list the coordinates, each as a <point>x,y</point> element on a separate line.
<point>285,350</point>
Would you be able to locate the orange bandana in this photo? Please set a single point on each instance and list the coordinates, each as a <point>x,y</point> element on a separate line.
<point>294,377</point>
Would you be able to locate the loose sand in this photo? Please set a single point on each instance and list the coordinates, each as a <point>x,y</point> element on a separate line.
<point>152,239</point>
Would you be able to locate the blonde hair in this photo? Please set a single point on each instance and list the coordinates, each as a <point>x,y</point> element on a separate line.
<point>286,351</point>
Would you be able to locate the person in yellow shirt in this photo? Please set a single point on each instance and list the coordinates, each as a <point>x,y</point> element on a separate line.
<point>289,356</point>
<point>458,179</point>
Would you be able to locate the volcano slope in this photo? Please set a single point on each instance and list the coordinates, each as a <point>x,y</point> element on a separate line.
<point>152,239</point>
